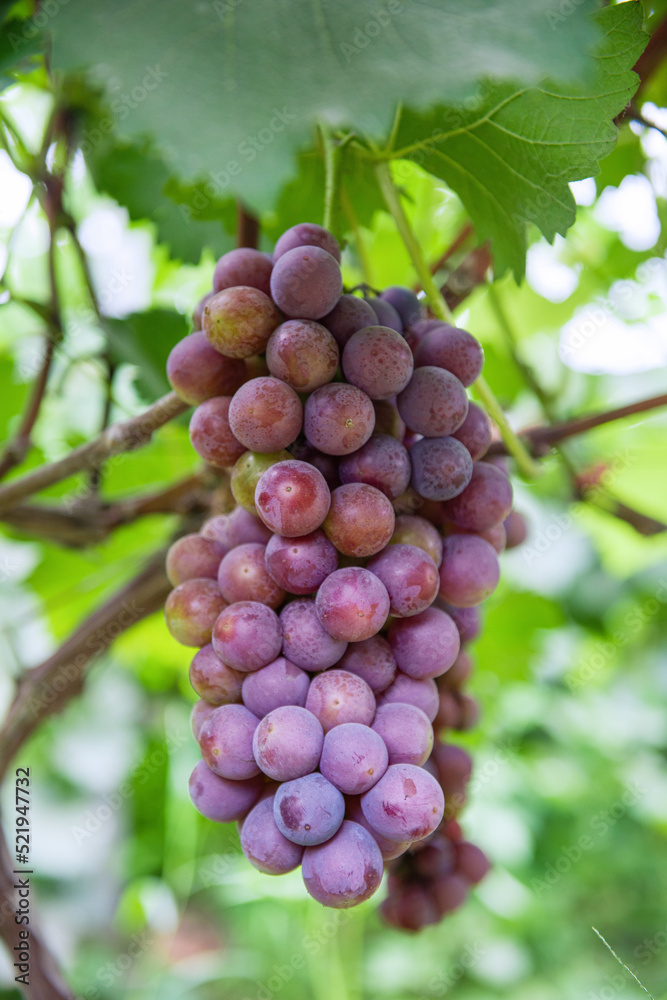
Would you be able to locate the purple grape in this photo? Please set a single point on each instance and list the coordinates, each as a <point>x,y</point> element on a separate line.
<point>225,740</point>
<point>454,768</point>
<point>450,893</point>
<point>386,314</point>
<point>193,556</point>
<point>239,321</point>
<point>264,845</point>
<point>406,804</point>
<point>338,418</point>
<point>406,731</point>
<point>191,610</point>
<point>352,604</point>
<point>243,576</point>
<point>247,472</point>
<point>265,415</point>
<point>469,571</point>
<point>235,529</point>
<point>288,743</point>
<point>211,435</point>
<point>201,711</point>
<point>348,315</point>
<point>425,645</point>
<point>389,849</point>
<point>198,312</point>
<point>516,529</point>
<point>360,521</point>
<point>326,464</point>
<point>405,302</point>
<point>308,810</point>
<point>247,636</point>
<point>300,565</point>
<point>378,361</point>
<point>388,419</point>
<point>486,500</point>
<point>305,641</point>
<point>410,907</point>
<point>279,683</point>
<point>475,432</point>
<point>452,349</point>
<point>337,696</point>
<point>292,498</point>
<point>410,576</point>
<point>196,371</point>
<point>307,234</point>
<point>434,403</point>
<point>243,266</point>
<point>344,871</point>
<point>467,620</point>
<point>410,529</point>
<point>382,462</point>
<point>472,863</point>
<point>418,330</point>
<point>213,680</point>
<point>220,799</point>
<point>460,670</point>
<point>406,690</point>
<point>372,660</point>
<point>306,282</point>
<point>353,757</point>
<point>302,353</point>
<point>441,468</point>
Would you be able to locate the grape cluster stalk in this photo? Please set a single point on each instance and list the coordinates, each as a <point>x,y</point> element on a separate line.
<point>332,609</point>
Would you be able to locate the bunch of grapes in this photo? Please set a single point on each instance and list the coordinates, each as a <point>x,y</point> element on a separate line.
<point>331,606</point>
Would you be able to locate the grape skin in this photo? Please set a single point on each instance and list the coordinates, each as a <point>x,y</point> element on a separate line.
<point>406,690</point>
<point>300,565</point>
<point>265,415</point>
<point>441,468</point>
<point>360,521</point>
<point>243,576</point>
<point>378,361</point>
<point>278,683</point>
<point>338,418</point>
<point>348,315</point>
<point>475,432</point>
<point>220,799</point>
<point>467,620</point>
<point>193,556</point>
<point>303,354</point>
<point>353,757</point>
<point>406,732</point>
<point>292,498</point>
<point>307,234</point>
<point>405,302</point>
<point>235,529</point>
<point>247,472</point>
<point>201,711</point>
<point>382,462</point>
<point>211,435</point>
<point>425,645</point>
<point>264,845</point>
<point>198,311</point>
<point>308,810</point>
<point>516,529</point>
<point>452,349</point>
<point>225,741</point>
<point>389,849</point>
<point>410,576</point>
<point>461,669</point>
<point>386,314</point>
<point>407,803</point>
<point>344,871</point>
<point>305,641</point>
<point>410,529</point>
<point>306,283</point>
<point>288,742</point>
<point>352,604</point>
<point>469,571</point>
<point>486,500</point>
<point>213,680</point>
<point>373,661</point>
<point>243,266</point>
<point>197,372</point>
<point>239,321</point>
<point>247,636</point>
<point>434,403</point>
<point>337,696</point>
<point>191,610</point>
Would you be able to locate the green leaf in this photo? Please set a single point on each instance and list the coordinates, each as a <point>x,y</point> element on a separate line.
<point>511,153</point>
<point>145,340</point>
<point>188,217</point>
<point>19,39</point>
<point>231,91</point>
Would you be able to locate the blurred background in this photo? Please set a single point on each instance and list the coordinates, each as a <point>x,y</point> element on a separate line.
<point>139,896</point>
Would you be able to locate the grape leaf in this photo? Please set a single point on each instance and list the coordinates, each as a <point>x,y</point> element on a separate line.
<point>512,152</point>
<point>231,91</point>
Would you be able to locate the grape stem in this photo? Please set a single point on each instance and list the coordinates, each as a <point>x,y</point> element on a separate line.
<point>441,310</point>
<point>331,151</point>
